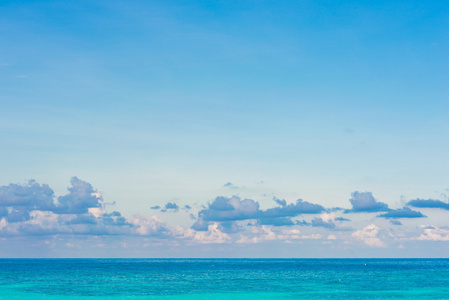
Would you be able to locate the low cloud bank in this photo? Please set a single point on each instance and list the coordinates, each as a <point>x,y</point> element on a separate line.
<point>224,209</point>
<point>33,209</point>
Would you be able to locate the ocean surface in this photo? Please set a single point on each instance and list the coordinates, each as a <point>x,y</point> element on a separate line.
<point>224,278</point>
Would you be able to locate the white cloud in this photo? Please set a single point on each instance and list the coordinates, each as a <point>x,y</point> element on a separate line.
<point>262,233</point>
<point>290,234</point>
<point>315,236</point>
<point>97,211</point>
<point>213,235</point>
<point>3,224</point>
<point>369,236</point>
<point>327,217</point>
<point>432,233</point>
<point>265,233</point>
<point>151,225</point>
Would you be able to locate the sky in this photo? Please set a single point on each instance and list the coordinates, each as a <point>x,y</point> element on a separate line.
<point>224,128</point>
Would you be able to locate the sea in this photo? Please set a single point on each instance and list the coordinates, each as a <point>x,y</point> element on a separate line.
<point>224,279</point>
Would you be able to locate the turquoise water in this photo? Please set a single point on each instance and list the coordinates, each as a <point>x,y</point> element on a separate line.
<point>224,278</point>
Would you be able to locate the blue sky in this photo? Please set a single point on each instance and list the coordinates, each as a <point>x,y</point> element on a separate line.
<point>156,102</point>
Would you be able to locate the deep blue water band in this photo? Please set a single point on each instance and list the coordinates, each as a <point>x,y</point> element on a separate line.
<point>224,278</point>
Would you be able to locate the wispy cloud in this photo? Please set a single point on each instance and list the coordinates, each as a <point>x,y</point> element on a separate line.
<point>402,213</point>
<point>429,203</point>
<point>230,185</point>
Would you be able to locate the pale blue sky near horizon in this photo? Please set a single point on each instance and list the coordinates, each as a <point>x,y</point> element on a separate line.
<point>167,101</point>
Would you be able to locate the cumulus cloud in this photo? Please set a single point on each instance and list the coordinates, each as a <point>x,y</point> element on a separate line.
<point>318,222</point>
<point>18,201</point>
<point>17,215</point>
<point>230,227</point>
<point>224,209</point>
<point>155,207</point>
<point>429,203</point>
<point>114,219</point>
<point>369,235</point>
<point>230,209</point>
<point>32,209</point>
<point>200,225</point>
<point>40,223</point>
<point>31,196</point>
<point>150,226</point>
<point>81,197</point>
<point>49,223</point>
<point>105,224</point>
<point>259,234</point>
<point>171,206</point>
<point>83,219</point>
<point>293,209</point>
<point>365,202</point>
<point>213,235</point>
<point>327,220</point>
<point>402,213</point>
<point>432,233</point>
